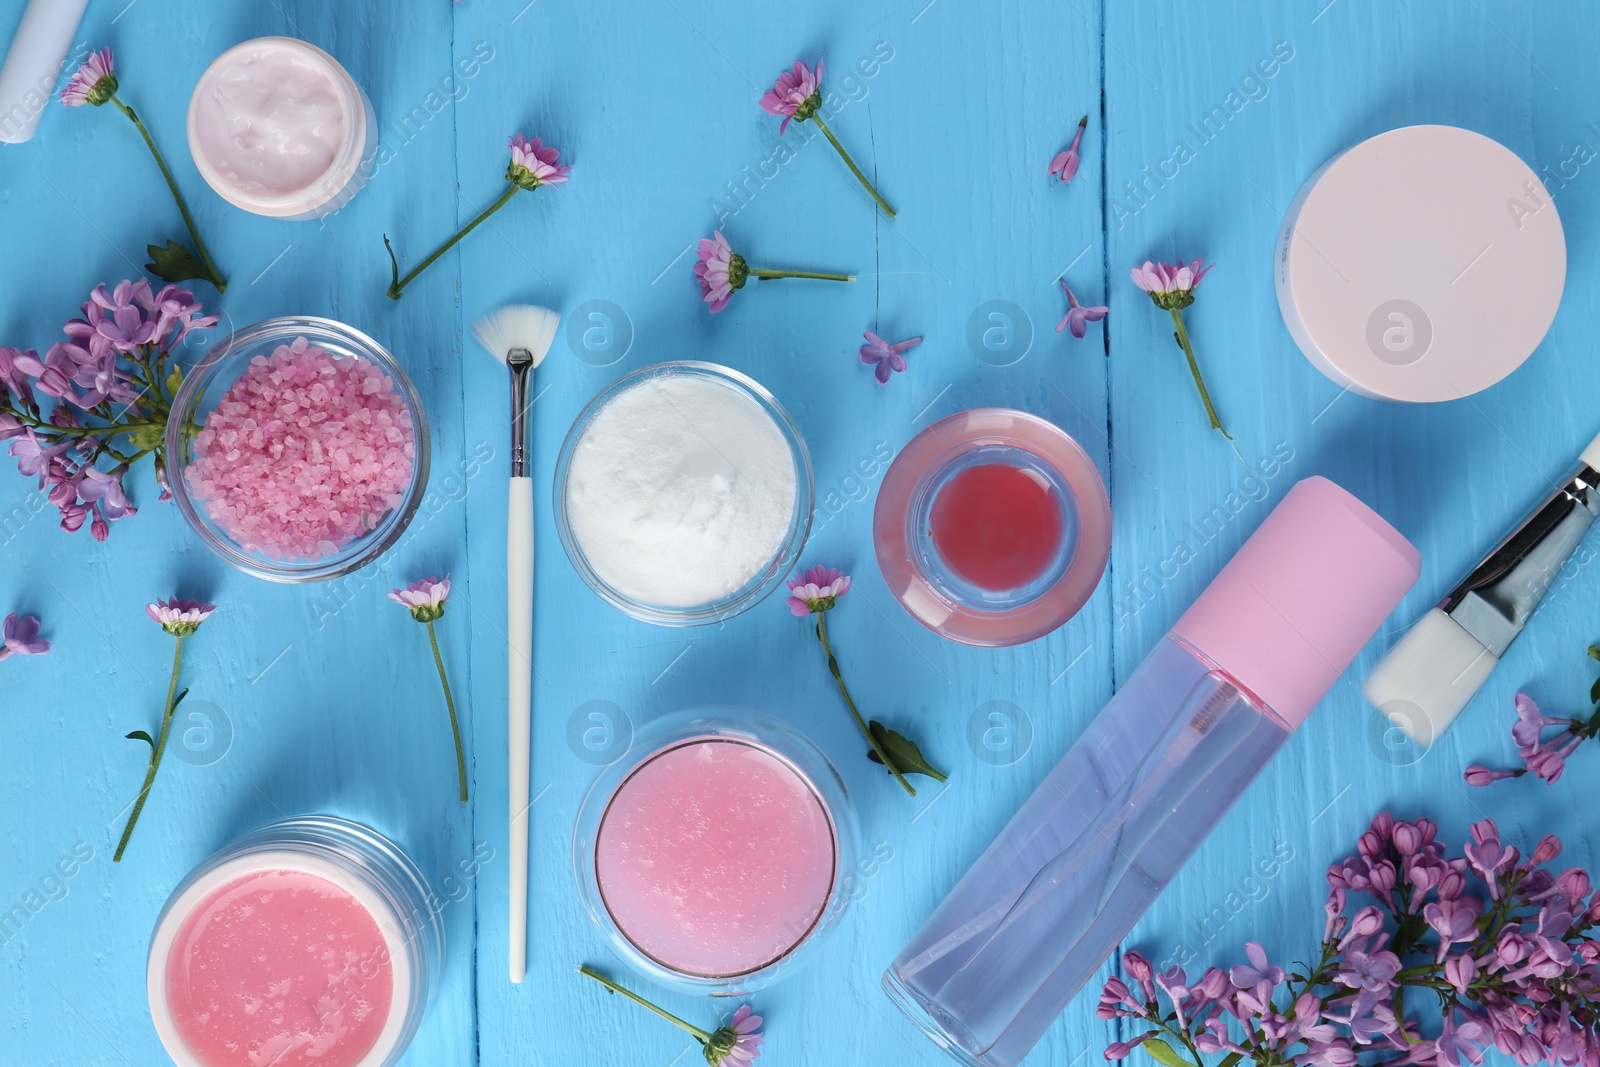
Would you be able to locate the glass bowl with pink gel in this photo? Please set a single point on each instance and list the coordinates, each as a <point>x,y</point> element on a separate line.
<point>298,449</point>
<point>309,942</point>
<point>717,852</point>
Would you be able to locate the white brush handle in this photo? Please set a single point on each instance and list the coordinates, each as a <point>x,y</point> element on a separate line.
<point>34,63</point>
<point>519,634</point>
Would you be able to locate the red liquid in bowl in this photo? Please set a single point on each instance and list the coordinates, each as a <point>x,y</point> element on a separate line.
<point>997,526</point>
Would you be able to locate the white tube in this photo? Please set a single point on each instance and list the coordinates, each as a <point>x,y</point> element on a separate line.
<point>34,63</point>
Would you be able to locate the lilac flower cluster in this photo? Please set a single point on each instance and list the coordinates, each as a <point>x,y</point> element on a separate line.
<point>109,379</point>
<point>1514,968</point>
<point>1544,758</point>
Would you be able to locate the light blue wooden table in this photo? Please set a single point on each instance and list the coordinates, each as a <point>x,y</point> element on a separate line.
<point>323,698</point>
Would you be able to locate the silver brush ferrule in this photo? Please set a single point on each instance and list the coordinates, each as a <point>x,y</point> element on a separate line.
<point>520,360</point>
<point>1495,601</point>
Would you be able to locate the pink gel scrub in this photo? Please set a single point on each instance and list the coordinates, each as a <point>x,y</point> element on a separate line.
<point>715,858</point>
<point>280,967</point>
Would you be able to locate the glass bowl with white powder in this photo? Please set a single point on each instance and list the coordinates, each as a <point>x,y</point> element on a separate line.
<point>683,493</point>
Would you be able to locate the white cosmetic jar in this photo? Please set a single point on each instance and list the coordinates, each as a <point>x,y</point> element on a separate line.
<point>1421,265</point>
<point>276,126</point>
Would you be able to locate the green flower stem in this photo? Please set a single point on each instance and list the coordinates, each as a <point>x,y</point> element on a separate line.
<point>862,178</point>
<point>700,1035</point>
<point>449,702</point>
<point>215,278</point>
<point>833,665</point>
<point>1194,369</point>
<point>60,432</point>
<point>398,283</point>
<point>769,275</point>
<point>155,756</point>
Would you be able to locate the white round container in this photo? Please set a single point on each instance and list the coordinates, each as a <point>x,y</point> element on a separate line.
<point>1424,264</point>
<point>276,126</point>
<point>364,865</point>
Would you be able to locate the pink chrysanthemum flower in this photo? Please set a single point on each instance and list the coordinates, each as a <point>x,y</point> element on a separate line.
<point>817,590</point>
<point>1170,285</point>
<point>738,1043</point>
<point>19,636</point>
<point>885,358</point>
<point>94,83</point>
<point>534,164</point>
<point>796,95</point>
<point>1065,165</point>
<point>425,599</point>
<point>721,270</point>
<point>1171,288</point>
<point>180,618</point>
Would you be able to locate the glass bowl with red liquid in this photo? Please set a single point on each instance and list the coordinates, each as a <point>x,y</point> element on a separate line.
<point>992,527</point>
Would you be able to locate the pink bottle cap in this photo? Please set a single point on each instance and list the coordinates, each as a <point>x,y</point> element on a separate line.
<point>1290,611</point>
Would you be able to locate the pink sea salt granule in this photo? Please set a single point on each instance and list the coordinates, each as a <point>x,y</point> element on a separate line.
<point>304,453</point>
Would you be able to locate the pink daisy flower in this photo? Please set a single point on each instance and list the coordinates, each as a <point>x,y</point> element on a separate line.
<point>816,590</point>
<point>1171,288</point>
<point>721,270</point>
<point>94,83</point>
<point>738,1043</point>
<point>534,164</point>
<point>425,599</point>
<point>180,618</point>
<point>796,95</point>
<point>1169,279</point>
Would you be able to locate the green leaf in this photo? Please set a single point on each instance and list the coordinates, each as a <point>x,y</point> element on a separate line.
<point>394,270</point>
<point>1594,651</point>
<point>1231,1059</point>
<point>140,735</point>
<point>908,759</point>
<point>1164,1053</point>
<point>175,263</point>
<point>174,379</point>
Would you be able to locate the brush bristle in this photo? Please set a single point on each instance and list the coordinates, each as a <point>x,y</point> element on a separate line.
<point>518,326</point>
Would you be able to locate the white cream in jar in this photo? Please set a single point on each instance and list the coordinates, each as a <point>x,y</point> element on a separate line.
<point>277,127</point>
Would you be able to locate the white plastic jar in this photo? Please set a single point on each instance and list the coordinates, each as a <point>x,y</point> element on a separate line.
<point>279,128</point>
<point>310,938</point>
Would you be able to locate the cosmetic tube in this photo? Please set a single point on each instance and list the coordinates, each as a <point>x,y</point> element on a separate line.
<point>1073,871</point>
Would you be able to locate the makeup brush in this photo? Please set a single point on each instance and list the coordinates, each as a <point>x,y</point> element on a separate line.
<point>519,336</point>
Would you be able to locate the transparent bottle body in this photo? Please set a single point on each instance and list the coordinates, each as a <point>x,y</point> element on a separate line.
<point>1086,855</point>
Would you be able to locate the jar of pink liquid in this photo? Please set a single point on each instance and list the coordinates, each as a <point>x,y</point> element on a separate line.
<point>992,527</point>
<point>309,942</point>
<point>717,852</point>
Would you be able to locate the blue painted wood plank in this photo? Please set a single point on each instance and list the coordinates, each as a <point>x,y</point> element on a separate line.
<point>955,108</point>
<point>1450,476</point>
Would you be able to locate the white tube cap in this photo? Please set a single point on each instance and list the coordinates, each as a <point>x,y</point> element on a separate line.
<point>1428,677</point>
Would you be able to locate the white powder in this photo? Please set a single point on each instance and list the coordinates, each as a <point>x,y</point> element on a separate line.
<point>680,491</point>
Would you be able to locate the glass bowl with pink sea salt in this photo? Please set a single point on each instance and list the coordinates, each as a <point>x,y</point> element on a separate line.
<point>298,449</point>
